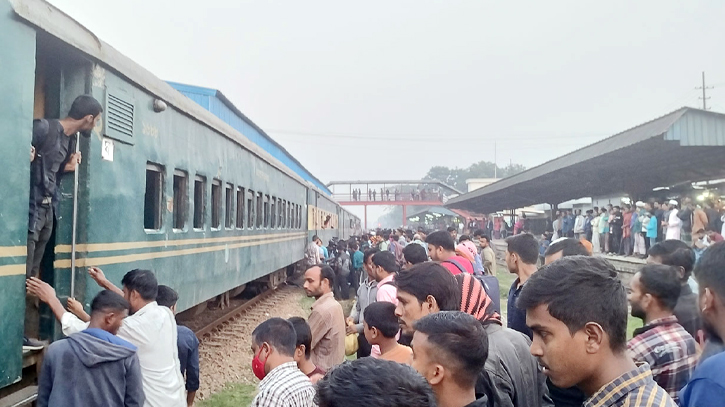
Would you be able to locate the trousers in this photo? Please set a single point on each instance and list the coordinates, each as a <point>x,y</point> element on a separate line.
<point>38,239</point>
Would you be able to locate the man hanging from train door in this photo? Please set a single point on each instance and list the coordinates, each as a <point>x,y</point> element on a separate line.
<point>52,153</point>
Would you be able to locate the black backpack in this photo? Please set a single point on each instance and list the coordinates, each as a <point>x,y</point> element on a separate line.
<point>490,284</point>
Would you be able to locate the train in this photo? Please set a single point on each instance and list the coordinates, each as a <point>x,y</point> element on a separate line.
<point>164,184</point>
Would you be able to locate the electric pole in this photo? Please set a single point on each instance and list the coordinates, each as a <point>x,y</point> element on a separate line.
<point>704,90</point>
<point>495,165</point>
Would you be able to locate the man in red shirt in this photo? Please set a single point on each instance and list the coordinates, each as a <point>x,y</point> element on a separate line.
<point>442,248</point>
<point>625,248</point>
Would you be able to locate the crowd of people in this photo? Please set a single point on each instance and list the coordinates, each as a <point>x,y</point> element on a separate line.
<point>385,194</point>
<point>128,352</point>
<point>426,329</point>
<point>430,326</point>
<point>630,230</point>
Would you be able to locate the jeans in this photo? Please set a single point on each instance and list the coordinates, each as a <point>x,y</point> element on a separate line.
<point>38,239</point>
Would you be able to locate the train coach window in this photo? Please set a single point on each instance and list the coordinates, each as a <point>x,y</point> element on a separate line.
<point>240,208</point>
<point>181,188</point>
<point>199,201</point>
<point>299,217</point>
<point>152,199</point>
<point>266,211</point>
<point>229,208</point>
<point>290,215</point>
<point>250,209</point>
<point>216,204</point>
<point>273,213</point>
<point>283,214</point>
<point>260,209</point>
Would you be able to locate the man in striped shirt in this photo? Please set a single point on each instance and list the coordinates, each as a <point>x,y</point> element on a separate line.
<point>665,345</point>
<point>576,308</point>
<point>282,382</point>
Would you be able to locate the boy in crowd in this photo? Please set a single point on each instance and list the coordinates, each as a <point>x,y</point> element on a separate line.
<point>303,350</point>
<point>414,254</point>
<point>576,308</point>
<point>373,382</point>
<point>93,367</point>
<point>381,327</point>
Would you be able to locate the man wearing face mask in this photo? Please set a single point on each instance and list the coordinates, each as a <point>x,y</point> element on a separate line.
<point>282,382</point>
<point>52,153</point>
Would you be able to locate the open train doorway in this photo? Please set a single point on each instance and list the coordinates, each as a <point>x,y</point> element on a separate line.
<point>61,74</point>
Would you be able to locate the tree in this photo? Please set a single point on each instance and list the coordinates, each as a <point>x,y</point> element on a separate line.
<point>456,177</point>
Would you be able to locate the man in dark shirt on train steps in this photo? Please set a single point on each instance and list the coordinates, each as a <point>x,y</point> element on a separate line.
<point>52,152</point>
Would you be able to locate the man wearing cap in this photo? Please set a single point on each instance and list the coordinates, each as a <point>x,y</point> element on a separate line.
<point>673,222</point>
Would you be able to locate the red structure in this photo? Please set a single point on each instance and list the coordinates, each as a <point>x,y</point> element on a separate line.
<point>391,193</point>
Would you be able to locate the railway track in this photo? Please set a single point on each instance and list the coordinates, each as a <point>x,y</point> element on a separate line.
<point>234,313</point>
<point>225,340</point>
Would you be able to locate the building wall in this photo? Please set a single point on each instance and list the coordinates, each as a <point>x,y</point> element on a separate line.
<point>476,183</point>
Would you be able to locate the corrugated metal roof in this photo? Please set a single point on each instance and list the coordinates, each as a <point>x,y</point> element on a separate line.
<point>633,161</point>
<point>433,209</point>
<point>214,101</point>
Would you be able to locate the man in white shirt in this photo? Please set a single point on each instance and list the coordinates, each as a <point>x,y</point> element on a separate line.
<point>150,327</point>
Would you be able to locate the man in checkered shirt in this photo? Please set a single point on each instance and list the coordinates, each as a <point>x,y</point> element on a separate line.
<point>665,345</point>
<point>282,383</point>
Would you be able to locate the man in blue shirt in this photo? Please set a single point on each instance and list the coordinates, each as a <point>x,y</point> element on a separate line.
<point>357,263</point>
<point>187,343</point>
<point>707,383</point>
<point>567,225</point>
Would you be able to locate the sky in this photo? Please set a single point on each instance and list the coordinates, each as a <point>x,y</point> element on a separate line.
<point>388,89</point>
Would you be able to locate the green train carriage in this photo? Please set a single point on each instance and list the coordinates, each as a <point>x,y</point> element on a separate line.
<point>164,184</point>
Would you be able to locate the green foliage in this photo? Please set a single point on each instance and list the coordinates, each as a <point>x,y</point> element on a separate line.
<point>456,177</point>
<point>233,395</point>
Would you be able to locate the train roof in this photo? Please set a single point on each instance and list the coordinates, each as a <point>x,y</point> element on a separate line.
<point>55,22</point>
<point>217,103</point>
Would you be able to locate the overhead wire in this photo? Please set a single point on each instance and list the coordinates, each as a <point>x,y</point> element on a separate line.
<point>429,137</point>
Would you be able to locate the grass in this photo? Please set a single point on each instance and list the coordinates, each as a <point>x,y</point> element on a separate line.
<point>233,395</point>
<point>306,304</point>
<point>505,279</point>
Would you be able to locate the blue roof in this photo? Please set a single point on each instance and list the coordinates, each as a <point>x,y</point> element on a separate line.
<point>215,102</point>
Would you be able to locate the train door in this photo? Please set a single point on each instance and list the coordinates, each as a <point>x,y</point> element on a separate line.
<point>61,74</point>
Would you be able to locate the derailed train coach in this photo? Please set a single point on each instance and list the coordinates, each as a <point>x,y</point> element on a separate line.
<point>164,184</point>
